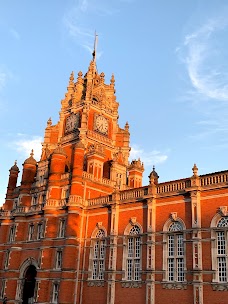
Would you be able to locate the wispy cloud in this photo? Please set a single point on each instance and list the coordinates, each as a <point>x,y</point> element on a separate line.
<point>77,19</point>
<point>206,60</point>
<point>15,34</point>
<point>3,77</point>
<point>25,143</point>
<point>203,53</point>
<point>148,158</point>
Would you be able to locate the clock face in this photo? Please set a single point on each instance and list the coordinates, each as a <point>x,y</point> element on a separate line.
<point>101,124</point>
<point>72,122</point>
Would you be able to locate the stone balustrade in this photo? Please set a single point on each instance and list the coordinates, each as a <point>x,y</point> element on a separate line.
<point>87,175</point>
<point>212,179</point>
<point>4,213</point>
<point>102,200</point>
<point>99,137</point>
<point>133,193</point>
<point>173,186</point>
<point>102,180</point>
<point>205,182</point>
<point>35,208</point>
<point>75,200</point>
<point>54,203</point>
<point>20,209</point>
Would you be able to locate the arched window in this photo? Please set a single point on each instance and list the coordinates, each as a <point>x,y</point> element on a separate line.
<point>221,249</point>
<point>133,256</point>
<point>175,252</point>
<point>98,258</point>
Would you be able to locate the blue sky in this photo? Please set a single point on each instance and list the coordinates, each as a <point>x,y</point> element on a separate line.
<point>170,64</point>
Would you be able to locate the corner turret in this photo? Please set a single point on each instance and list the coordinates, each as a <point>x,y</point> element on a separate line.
<point>135,171</point>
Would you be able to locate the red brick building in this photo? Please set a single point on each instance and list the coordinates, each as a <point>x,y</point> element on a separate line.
<point>80,228</point>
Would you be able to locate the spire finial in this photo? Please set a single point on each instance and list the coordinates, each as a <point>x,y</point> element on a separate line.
<point>72,77</point>
<point>95,48</point>
<point>31,154</point>
<point>195,170</point>
<point>49,122</point>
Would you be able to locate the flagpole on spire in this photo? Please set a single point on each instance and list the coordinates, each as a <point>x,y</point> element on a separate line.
<point>95,48</point>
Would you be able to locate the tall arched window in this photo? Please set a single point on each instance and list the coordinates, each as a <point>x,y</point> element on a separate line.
<point>133,256</point>
<point>222,250</point>
<point>98,258</point>
<point>175,252</point>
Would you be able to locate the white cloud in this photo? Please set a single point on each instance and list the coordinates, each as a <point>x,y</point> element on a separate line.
<point>148,158</point>
<point>206,60</point>
<point>24,144</point>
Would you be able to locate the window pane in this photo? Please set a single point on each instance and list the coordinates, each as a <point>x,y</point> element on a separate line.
<point>137,247</point>
<point>221,242</point>
<point>171,269</point>
<point>180,269</point>
<point>55,293</point>
<point>130,247</point>
<point>175,226</point>
<point>180,245</point>
<point>129,269</point>
<point>171,245</point>
<point>96,250</point>
<point>102,249</point>
<point>137,268</point>
<point>223,222</point>
<point>99,256</point>
<point>101,270</point>
<point>95,269</point>
<point>222,269</point>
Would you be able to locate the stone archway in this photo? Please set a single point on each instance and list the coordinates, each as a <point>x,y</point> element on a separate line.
<point>29,285</point>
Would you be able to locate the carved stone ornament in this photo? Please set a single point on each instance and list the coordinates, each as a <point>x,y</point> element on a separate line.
<point>220,287</point>
<point>173,216</point>
<point>96,283</point>
<point>131,285</point>
<point>223,210</point>
<point>133,220</point>
<point>178,286</point>
<point>99,225</point>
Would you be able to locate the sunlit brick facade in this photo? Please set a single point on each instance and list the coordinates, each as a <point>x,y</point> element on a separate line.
<point>81,228</point>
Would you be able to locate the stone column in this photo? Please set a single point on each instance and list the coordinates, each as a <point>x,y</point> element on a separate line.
<point>151,228</point>
<point>196,237</point>
<point>113,247</point>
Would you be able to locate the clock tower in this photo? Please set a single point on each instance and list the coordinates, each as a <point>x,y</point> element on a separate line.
<point>87,140</point>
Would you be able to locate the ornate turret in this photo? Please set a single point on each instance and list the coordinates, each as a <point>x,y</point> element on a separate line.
<point>28,178</point>
<point>12,183</point>
<point>31,160</point>
<point>153,177</point>
<point>14,167</point>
